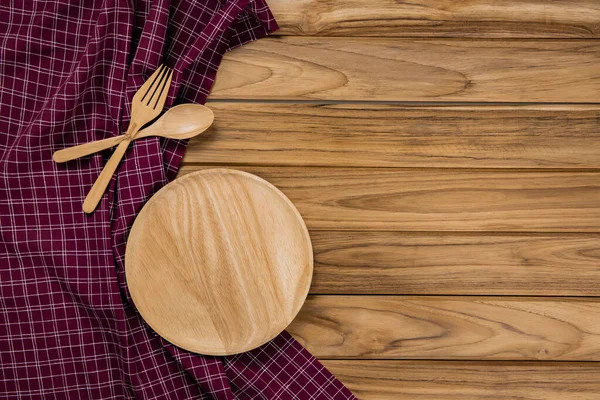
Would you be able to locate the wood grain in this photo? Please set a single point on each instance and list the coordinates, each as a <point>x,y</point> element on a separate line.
<point>363,135</point>
<point>459,380</point>
<point>212,269</point>
<point>436,263</point>
<point>439,200</point>
<point>435,18</point>
<point>476,328</point>
<point>380,69</point>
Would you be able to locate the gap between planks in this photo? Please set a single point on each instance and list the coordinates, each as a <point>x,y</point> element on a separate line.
<point>210,101</point>
<point>218,164</point>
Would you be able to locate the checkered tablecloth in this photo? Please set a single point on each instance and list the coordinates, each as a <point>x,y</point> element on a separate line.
<point>68,330</point>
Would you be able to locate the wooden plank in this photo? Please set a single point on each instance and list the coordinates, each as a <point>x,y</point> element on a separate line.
<point>434,18</point>
<point>400,136</point>
<point>422,263</point>
<point>456,380</point>
<point>380,69</point>
<point>481,328</point>
<point>439,200</point>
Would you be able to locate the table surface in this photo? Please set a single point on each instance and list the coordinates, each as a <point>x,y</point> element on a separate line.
<point>445,156</point>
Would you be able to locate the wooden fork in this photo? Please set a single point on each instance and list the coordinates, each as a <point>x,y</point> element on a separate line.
<point>147,104</point>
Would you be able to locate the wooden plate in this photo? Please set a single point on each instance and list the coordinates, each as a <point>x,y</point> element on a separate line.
<point>219,262</point>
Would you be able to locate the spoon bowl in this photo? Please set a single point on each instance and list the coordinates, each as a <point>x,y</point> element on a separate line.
<point>180,122</point>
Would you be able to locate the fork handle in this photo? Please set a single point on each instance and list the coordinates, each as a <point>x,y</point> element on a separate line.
<point>71,153</point>
<point>93,198</point>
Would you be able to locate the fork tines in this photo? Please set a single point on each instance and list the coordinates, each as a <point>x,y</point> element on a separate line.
<point>159,82</point>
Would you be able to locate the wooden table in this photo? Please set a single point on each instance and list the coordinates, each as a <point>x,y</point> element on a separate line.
<point>446,158</point>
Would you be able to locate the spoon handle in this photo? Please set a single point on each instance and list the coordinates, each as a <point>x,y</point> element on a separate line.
<point>71,153</point>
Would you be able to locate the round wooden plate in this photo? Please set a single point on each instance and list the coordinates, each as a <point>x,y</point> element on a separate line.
<point>219,262</point>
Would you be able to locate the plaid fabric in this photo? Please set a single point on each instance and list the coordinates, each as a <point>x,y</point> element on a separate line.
<point>68,330</point>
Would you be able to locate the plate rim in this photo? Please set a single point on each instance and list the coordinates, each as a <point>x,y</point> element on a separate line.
<point>306,234</point>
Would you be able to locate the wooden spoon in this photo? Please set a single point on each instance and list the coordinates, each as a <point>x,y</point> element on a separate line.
<point>180,122</point>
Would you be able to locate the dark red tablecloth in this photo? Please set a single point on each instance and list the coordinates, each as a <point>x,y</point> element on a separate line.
<point>68,330</point>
